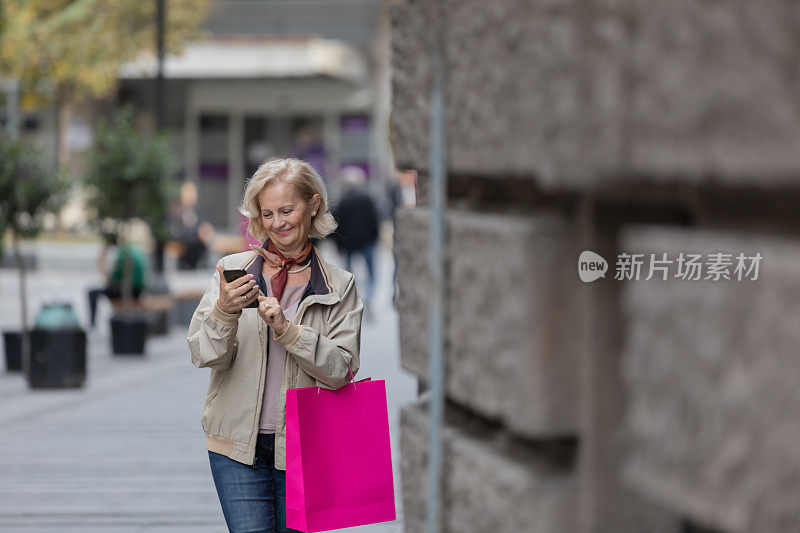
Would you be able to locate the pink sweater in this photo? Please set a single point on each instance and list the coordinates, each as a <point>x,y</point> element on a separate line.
<point>277,355</point>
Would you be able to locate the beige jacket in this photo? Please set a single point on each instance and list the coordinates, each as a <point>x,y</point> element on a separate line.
<point>324,336</point>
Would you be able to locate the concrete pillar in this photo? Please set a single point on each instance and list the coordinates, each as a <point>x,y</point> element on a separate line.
<point>192,143</point>
<point>235,165</point>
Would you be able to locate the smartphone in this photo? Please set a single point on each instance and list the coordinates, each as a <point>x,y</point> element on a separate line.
<point>237,273</point>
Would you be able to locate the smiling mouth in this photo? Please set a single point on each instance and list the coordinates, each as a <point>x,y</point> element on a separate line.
<point>285,232</point>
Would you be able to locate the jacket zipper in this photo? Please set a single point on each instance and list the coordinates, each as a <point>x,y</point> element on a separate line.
<point>261,401</point>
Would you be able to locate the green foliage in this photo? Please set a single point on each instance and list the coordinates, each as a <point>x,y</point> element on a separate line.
<point>130,176</point>
<point>81,44</point>
<point>29,188</point>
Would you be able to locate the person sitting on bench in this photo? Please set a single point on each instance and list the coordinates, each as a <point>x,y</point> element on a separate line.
<point>113,288</point>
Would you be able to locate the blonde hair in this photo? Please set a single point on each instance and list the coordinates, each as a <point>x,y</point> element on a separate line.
<point>306,183</point>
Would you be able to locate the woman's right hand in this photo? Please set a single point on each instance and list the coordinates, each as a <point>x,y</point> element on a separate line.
<point>230,294</point>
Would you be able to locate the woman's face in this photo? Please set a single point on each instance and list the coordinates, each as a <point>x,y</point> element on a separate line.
<point>286,217</point>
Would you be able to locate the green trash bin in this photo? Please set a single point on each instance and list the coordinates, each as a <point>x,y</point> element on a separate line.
<point>57,315</point>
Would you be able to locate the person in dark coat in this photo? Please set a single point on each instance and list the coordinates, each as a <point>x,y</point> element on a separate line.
<point>190,230</point>
<point>357,215</point>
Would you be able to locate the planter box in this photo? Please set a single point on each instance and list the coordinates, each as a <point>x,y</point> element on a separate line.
<point>58,359</point>
<point>129,333</point>
<point>158,321</point>
<point>13,345</point>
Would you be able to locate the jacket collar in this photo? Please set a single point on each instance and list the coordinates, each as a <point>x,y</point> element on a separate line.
<point>320,283</point>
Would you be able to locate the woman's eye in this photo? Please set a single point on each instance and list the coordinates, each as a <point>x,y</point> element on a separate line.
<point>289,212</point>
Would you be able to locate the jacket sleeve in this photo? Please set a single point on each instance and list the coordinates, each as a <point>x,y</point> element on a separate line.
<point>326,357</point>
<point>212,332</point>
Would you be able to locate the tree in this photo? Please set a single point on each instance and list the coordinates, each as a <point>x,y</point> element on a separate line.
<point>28,190</point>
<point>130,176</point>
<point>79,45</point>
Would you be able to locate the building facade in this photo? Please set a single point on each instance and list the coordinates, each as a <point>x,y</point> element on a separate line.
<point>273,79</point>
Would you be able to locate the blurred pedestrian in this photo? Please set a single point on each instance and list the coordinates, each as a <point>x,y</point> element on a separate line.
<point>394,195</point>
<point>312,311</point>
<point>357,215</point>
<point>136,260</point>
<point>189,229</point>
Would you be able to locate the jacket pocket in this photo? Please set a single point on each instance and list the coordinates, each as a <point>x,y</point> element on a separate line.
<point>213,395</point>
<point>208,407</point>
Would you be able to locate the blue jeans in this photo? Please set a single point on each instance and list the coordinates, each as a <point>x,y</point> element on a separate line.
<point>252,499</point>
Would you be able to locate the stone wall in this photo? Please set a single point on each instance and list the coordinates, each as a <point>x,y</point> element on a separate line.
<point>616,126</point>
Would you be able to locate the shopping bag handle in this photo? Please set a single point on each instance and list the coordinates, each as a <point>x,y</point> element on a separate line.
<point>353,377</point>
<point>350,371</point>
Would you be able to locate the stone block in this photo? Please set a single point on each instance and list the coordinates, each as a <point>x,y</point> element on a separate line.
<point>711,372</point>
<point>583,96</point>
<point>511,315</point>
<point>712,91</point>
<point>488,484</point>
<point>410,90</point>
<point>532,89</point>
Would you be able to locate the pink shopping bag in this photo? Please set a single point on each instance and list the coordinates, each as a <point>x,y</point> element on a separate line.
<point>338,457</point>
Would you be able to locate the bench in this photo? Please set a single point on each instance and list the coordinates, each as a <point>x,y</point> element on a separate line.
<point>157,307</point>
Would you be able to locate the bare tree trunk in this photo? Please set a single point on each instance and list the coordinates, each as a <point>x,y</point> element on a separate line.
<point>23,300</point>
<point>64,104</point>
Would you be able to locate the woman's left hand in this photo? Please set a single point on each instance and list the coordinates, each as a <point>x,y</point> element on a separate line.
<point>270,310</point>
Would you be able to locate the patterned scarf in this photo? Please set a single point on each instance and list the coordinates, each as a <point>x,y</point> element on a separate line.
<point>275,258</point>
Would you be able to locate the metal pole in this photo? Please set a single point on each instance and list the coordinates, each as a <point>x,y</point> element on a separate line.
<point>161,107</point>
<point>161,123</point>
<point>437,237</point>
<point>436,321</point>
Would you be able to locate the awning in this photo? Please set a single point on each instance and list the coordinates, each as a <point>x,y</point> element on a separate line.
<point>256,58</point>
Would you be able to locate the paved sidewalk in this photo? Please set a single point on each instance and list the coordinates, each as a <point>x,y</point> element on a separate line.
<point>85,460</point>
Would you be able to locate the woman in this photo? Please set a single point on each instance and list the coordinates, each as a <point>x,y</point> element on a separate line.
<point>306,331</point>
